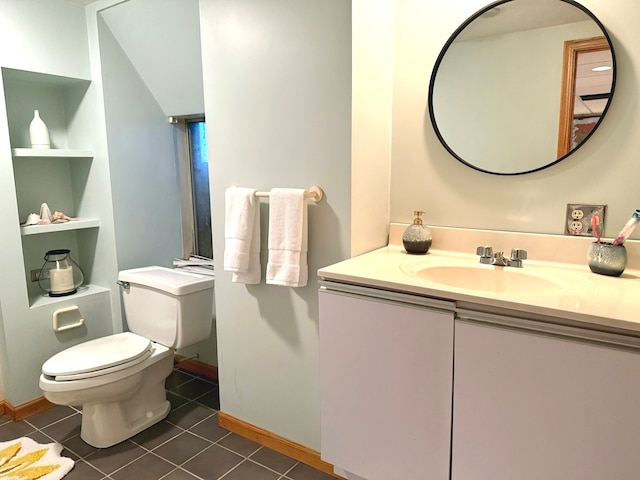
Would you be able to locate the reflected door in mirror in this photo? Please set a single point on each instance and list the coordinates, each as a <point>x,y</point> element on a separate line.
<point>586,89</point>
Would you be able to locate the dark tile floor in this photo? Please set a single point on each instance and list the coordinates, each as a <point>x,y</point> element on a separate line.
<point>188,444</point>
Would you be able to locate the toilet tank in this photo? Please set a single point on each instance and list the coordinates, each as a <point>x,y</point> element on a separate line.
<point>168,306</point>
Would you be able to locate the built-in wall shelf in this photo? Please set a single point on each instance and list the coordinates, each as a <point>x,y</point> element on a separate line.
<point>43,300</point>
<point>51,153</point>
<point>77,224</point>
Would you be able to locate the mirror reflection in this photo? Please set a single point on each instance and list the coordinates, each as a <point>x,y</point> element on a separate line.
<point>586,89</point>
<point>513,90</point>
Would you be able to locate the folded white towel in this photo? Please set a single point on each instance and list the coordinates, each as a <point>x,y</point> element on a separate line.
<point>242,235</point>
<point>287,262</point>
<point>254,273</point>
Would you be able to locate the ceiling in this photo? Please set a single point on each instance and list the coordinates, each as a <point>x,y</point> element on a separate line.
<point>522,16</point>
<point>589,82</point>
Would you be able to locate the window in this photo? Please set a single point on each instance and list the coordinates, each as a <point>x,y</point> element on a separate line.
<point>193,166</point>
<point>200,188</point>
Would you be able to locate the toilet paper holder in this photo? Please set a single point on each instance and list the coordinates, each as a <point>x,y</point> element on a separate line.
<point>71,315</point>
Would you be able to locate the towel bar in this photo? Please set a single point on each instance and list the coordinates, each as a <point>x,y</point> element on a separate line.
<point>314,194</point>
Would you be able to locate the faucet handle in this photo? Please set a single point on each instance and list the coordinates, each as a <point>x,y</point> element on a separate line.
<point>518,254</point>
<point>486,254</point>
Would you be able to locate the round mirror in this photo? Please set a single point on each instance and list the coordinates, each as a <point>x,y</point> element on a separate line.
<point>521,85</point>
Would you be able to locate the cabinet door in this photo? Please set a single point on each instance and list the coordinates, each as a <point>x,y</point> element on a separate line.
<point>533,406</point>
<point>386,375</point>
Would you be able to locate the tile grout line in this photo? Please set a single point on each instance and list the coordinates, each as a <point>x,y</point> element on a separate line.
<point>231,470</point>
<point>26,420</point>
<point>180,430</point>
<point>147,451</point>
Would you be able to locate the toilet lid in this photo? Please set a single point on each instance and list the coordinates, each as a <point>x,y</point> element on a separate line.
<point>98,357</point>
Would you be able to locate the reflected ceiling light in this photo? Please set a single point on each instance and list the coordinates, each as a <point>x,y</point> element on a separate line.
<point>602,68</point>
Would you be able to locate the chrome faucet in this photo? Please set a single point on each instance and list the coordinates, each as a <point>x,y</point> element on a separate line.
<point>489,257</point>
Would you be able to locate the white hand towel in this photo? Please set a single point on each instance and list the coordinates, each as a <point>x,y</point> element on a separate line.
<point>287,262</point>
<point>242,235</point>
<point>254,273</point>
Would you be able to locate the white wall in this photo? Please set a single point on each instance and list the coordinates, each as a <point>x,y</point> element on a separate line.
<point>3,357</point>
<point>277,79</point>
<point>371,96</point>
<point>425,176</point>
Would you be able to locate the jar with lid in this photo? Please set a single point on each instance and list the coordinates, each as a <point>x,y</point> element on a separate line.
<point>60,275</point>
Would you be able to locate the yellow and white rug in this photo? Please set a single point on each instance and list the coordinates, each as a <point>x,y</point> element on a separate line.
<point>25,459</point>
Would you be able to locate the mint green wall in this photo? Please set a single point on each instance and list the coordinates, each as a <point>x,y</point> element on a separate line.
<point>277,85</point>
<point>143,144</point>
<point>142,159</point>
<point>170,31</point>
<point>44,35</point>
<point>50,37</point>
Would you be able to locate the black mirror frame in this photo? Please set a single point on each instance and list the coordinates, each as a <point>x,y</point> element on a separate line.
<point>453,37</point>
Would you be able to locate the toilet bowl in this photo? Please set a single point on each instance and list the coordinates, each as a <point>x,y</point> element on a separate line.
<point>119,400</point>
<point>118,380</point>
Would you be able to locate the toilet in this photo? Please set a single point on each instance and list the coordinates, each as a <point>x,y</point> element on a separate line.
<point>119,380</point>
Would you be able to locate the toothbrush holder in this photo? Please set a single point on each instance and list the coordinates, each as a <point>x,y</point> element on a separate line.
<point>607,259</point>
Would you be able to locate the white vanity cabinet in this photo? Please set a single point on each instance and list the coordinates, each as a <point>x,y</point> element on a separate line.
<point>544,381</point>
<point>556,403</point>
<point>386,369</point>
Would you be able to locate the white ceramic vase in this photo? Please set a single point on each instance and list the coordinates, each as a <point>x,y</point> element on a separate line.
<point>38,132</point>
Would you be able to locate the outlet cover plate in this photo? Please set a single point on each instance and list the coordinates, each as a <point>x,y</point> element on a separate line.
<point>578,219</point>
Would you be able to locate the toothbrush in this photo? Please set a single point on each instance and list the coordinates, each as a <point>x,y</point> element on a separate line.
<point>595,222</point>
<point>628,228</point>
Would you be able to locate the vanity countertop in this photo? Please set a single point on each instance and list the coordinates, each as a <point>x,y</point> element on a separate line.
<point>612,303</point>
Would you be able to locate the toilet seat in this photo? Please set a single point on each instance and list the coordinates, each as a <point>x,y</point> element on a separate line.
<point>98,357</point>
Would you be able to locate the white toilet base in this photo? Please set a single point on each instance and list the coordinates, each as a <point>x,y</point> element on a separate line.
<point>105,423</point>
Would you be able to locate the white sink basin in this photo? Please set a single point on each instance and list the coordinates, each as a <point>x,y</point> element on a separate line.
<point>502,280</point>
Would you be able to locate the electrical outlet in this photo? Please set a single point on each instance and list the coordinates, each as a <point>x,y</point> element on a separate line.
<point>576,227</point>
<point>578,219</point>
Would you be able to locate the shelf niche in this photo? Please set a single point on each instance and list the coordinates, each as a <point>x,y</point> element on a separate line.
<point>56,176</point>
<point>81,242</point>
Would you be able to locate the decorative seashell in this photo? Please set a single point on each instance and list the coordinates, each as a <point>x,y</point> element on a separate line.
<point>45,214</point>
<point>32,219</point>
<point>61,217</point>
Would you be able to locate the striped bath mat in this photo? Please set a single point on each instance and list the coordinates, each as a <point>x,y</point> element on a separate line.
<point>25,459</point>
